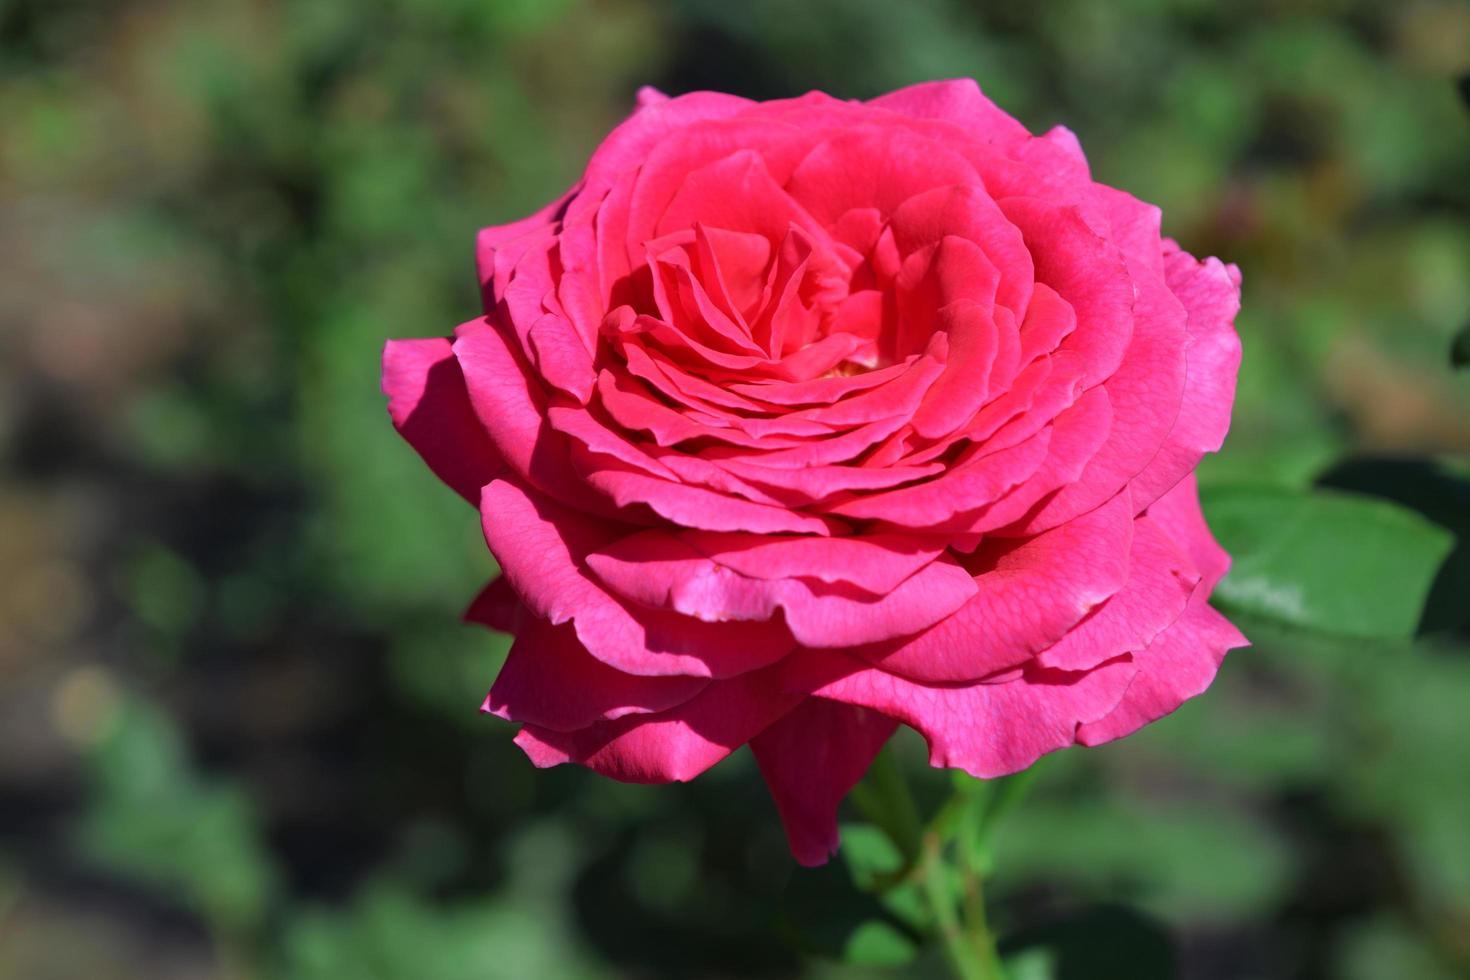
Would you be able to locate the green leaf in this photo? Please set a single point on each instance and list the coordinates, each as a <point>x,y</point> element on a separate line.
<point>1338,563</point>
<point>869,854</point>
<point>878,943</point>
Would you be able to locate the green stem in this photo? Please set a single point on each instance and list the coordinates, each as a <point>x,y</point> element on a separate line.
<point>963,958</point>
<point>885,800</point>
<point>974,863</point>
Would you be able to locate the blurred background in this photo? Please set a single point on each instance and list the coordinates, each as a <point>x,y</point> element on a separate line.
<point>238,725</point>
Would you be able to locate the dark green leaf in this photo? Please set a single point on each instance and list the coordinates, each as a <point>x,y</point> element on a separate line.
<point>1334,562</point>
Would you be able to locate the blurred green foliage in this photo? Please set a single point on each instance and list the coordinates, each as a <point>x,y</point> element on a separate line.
<point>238,734</point>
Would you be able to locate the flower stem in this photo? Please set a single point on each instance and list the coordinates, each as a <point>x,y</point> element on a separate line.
<point>960,921</point>
<point>974,862</point>
<point>959,947</point>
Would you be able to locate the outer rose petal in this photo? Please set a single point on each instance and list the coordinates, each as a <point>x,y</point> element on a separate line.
<point>1180,663</point>
<point>627,146</point>
<point>958,101</point>
<point>498,247</point>
<point>876,563</point>
<point>1160,581</point>
<point>551,680</point>
<point>988,730</point>
<point>658,570</point>
<point>1178,514</point>
<point>1146,393</point>
<point>1210,292</point>
<point>429,406</point>
<point>511,408</point>
<point>811,758</point>
<point>674,745</point>
<point>542,548</point>
<point>498,607</point>
<point>1029,596</point>
<point>648,95</point>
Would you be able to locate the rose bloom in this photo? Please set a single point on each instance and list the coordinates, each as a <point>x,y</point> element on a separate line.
<point>795,421</point>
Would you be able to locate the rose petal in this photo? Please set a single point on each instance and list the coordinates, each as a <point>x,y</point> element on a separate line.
<point>1146,393</point>
<point>512,413</point>
<point>957,101</point>
<point>661,571</point>
<point>988,730</point>
<point>1179,664</point>
<point>497,606</point>
<point>1029,594</point>
<point>674,745</point>
<point>1178,514</point>
<point>431,409</point>
<point>542,548</point>
<point>1161,579</point>
<point>874,167</point>
<point>810,759</point>
<point>550,680</point>
<point>1085,270</point>
<point>1211,295</point>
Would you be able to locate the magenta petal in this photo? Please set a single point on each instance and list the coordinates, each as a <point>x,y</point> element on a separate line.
<point>1076,435</point>
<point>805,486</point>
<point>430,408</point>
<point>818,391</point>
<point>1180,663</point>
<point>648,95</point>
<point>696,507</point>
<point>561,356</point>
<point>674,745</point>
<point>738,194</point>
<point>1135,226</point>
<point>1030,593</point>
<point>1178,514</point>
<point>968,212</point>
<point>628,146</point>
<point>968,485</point>
<point>1211,295</point>
<point>1085,270</point>
<point>511,408</point>
<point>497,606</point>
<point>988,730</point>
<point>1049,319</point>
<point>810,759</point>
<point>957,101</point>
<point>876,563</point>
<point>498,248</point>
<point>874,168</point>
<point>1146,393</point>
<point>658,570</point>
<point>542,548</point>
<point>1161,579</point>
<point>550,680</point>
<point>962,389</point>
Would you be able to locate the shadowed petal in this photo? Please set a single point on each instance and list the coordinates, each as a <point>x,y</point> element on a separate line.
<point>810,759</point>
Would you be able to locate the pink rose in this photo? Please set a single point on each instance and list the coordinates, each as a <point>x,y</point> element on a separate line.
<point>794,421</point>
